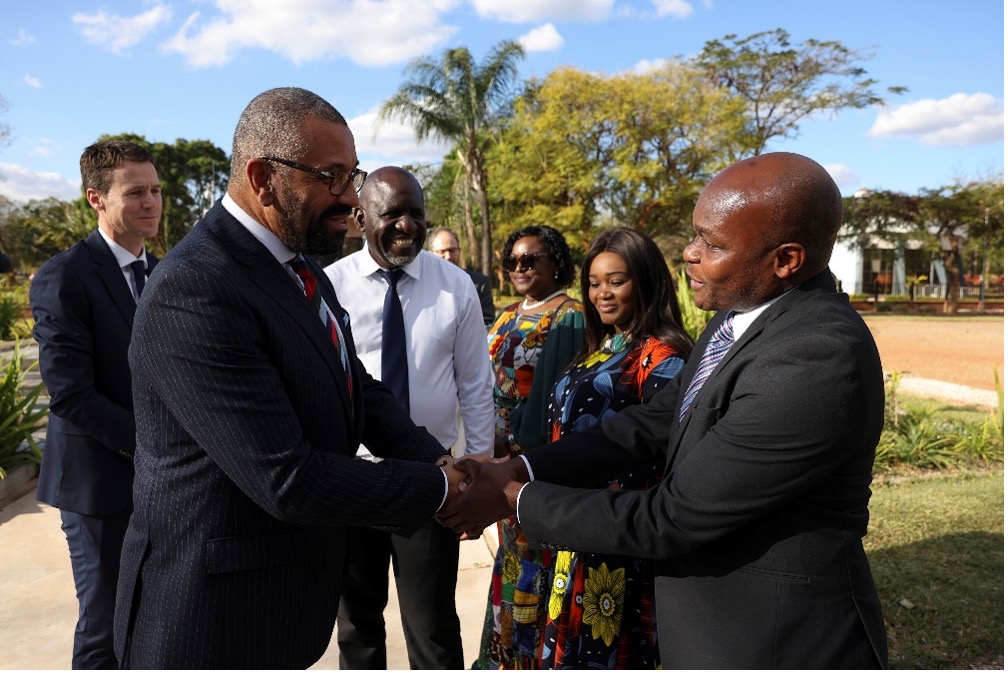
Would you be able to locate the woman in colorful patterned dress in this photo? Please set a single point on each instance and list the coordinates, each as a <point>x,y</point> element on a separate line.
<point>525,365</point>
<point>601,607</point>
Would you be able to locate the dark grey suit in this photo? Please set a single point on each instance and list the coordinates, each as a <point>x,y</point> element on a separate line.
<point>757,526</point>
<point>245,467</point>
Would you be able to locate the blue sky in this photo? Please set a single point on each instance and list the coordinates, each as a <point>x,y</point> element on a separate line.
<point>73,70</point>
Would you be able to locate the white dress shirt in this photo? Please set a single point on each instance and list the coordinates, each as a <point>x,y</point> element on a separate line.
<point>446,349</point>
<point>124,259</point>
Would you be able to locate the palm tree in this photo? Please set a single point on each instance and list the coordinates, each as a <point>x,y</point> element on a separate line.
<point>456,100</point>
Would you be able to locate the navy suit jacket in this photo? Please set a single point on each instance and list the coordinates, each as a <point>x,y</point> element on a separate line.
<point>756,529</point>
<point>246,475</point>
<point>83,311</point>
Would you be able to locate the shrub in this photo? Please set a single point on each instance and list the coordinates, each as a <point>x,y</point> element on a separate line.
<point>694,318</point>
<point>12,305</point>
<point>20,414</point>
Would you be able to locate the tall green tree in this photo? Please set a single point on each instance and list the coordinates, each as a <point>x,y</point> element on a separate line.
<point>33,232</point>
<point>193,173</point>
<point>585,149</point>
<point>947,221</point>
<point>455,99</point>
<point>784,84</point>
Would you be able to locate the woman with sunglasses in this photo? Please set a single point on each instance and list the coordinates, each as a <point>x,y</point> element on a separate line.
<point>530,343</point>
<point>601,607</point>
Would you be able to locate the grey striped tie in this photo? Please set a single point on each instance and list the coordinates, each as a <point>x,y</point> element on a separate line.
<point>719,344</point>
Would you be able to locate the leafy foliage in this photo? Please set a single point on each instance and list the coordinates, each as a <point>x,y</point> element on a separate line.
<point>585,149</point>
<point>457,100</point>
<point>694,318</point>
<point>948,222</point>
<point>20,414</point>
<point>192,175</point>
<point>783,84</point>
<point>918,437</point>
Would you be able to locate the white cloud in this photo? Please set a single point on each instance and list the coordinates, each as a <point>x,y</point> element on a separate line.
<point>23,39</point>
<point>32,82</point>
<point>645,66</point>
<point>842,174</point>
<point>528,11</point>
<point>545,38</point>
<point>46,147</point>
<point>115,33</point>
<point>369,32</point>
<point>959,120</point>
<point>21,184</point>
<point>680,9</point>
<point>391,142</point>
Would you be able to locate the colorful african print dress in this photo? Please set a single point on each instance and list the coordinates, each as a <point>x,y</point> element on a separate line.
<point>601,607</point>
<point>512,631</point>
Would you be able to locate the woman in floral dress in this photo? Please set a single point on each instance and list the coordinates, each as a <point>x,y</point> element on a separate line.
<point>525,364</point>
<point>601,607</point>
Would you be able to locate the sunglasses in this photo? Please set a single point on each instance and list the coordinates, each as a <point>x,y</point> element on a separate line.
<point>527,261</point>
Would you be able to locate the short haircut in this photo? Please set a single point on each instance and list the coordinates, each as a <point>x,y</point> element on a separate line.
<point>99,160</point>
<point>442,230</point>
<point>272,124</point>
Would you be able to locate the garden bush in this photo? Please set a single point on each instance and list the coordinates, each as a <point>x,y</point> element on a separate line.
<point>20,414</point>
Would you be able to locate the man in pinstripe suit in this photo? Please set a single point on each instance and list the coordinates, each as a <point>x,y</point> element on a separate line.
<point>250,405</point>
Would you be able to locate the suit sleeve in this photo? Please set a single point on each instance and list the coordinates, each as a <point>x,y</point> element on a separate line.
<point>63,329</point>
<point>798,422</point>
<point>226,369</point>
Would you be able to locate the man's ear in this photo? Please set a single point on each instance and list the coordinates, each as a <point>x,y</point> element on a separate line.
<point>259,174</point>
<point>94,199</point>
<point>789,258</point>
<point>357,213</point>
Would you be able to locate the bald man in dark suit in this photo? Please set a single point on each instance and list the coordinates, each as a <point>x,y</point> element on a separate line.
<point>250,405</point>
<point>768,444</point>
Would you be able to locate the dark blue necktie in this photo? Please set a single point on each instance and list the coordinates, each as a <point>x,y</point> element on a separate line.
<point>719,344</point>
<point>139,276</point>
<point>394,372</point>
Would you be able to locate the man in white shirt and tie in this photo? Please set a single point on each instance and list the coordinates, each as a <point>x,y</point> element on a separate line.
<point>442,364</point>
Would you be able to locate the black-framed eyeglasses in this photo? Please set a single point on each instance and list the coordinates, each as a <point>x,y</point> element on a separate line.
<point>527,261</point>
<point>338,180</point>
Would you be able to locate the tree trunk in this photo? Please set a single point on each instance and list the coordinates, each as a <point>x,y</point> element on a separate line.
<point>470,228</point>
<point>484,205</point>
<point>952,272</point>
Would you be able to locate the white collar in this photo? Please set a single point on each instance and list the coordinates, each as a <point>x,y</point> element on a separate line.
<point>264,235</point>
<point>123,257</point>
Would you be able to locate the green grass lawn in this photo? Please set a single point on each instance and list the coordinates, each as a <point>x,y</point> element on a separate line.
<point>936,546</point>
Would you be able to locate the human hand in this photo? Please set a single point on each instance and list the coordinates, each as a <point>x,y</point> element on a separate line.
<point>488,492</point>
<point>452,473</point>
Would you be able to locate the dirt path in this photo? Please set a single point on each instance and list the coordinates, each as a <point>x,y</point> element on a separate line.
<point>962,350</point>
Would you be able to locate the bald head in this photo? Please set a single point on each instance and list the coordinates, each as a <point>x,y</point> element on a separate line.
<point>391,216</point>
<point>791,197</point>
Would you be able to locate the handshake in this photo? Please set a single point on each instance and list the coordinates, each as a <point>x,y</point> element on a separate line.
<point>481,491</point>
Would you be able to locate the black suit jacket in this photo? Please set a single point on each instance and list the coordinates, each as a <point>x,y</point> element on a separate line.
<point>757,527</point>
<point>246,474</point>
<point>482,284</point>
<point>83,311</point>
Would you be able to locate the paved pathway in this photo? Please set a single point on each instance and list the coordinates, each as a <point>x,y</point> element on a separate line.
<point>38,608</point>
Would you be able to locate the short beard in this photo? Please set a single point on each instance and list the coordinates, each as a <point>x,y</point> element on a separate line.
<point>318,240</point>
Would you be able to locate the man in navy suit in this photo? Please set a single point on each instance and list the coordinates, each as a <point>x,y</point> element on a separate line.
<point>250,406</point>
<point>756,528</point>
<point>83,301</point>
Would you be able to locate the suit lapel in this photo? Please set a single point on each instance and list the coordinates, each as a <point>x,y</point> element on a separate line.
<point>823,282</point>
<point>111,276</point>
<point>274,281</point>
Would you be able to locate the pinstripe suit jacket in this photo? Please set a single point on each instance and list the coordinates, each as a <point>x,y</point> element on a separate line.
<point>756,529</point>
<point>245,467</point>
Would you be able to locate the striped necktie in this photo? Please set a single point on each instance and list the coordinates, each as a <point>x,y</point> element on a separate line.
<point>318,305</point>
<point>719,344</point>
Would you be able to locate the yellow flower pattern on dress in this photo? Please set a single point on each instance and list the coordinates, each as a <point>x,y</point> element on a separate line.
<point>561,571</point>
<point>603,602</point>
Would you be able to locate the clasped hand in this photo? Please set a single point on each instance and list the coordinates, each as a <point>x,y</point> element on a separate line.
<point>480,491</point>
